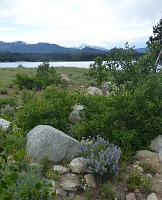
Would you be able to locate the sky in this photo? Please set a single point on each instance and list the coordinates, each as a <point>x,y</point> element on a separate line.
<point>105,23</point>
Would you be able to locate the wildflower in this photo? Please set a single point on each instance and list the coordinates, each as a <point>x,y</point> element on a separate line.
<point>101,156</point>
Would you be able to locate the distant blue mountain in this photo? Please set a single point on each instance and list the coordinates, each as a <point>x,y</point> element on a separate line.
<point>140,50</point>
<point>45,48</point>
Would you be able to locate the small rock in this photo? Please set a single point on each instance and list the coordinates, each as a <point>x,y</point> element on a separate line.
<point>145,154</point>
<point>64,77</point>
<point>149,158</point>
<point>60,169</point>
<point>94,90</point>
<point>4,124</point>
<point>64,192</point>
<point>130,196</point>
<point>76,165</point>
<point>69,185</point>
<point>136,191</point>
<point>78,107</point>
<point>71,195</point>
<point>74,117</point>
<point>149,176</point>
<point>152,196</point>
<point>90,180</point>
<point>156,143</point>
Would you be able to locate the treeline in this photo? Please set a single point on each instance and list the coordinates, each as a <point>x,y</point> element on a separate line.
<point>33,57</point>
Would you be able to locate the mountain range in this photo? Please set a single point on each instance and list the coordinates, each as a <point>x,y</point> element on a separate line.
<point>47,48</point>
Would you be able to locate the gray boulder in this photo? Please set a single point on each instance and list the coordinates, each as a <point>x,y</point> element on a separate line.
<point>156,143</point>
<point>105,88</point>
<point>74,117</point>
<point>4,124</point>
<point>65,78</point>
<point>76,165</point>
<point>94,90</point>
<point>152,196</point>
<point>44,141</point>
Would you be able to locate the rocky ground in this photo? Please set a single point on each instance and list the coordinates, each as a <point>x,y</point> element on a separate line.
<point>139,180</point>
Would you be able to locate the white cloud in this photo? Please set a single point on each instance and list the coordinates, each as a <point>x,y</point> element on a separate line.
<point>97,22</point>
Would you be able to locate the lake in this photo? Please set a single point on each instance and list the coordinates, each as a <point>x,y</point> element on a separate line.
<point>79,64</point>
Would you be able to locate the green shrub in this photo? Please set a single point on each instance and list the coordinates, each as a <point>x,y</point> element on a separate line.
<point>52,109</point>
<point>27,96</point>
<point>44,77</point>
<point>31,186</point>
<point>7,101</point>
<point>25,81</point>
<point>3,91</point>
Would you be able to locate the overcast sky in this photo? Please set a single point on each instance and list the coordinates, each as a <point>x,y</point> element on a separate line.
<point>106,23</point>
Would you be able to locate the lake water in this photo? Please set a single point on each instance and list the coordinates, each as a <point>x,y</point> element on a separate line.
<point>79,64</point>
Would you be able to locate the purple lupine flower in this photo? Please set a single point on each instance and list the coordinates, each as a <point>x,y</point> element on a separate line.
<point>102,157</point>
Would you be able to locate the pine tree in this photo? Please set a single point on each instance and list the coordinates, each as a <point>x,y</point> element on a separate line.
<point>154,45</point>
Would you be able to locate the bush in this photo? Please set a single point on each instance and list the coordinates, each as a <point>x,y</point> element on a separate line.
<point>31,186</point>
<point>101,157</point>
<point>45,76</point>
<point>52,109</point>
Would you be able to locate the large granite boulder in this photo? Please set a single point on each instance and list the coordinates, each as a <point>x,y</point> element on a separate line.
<point>44,141</point>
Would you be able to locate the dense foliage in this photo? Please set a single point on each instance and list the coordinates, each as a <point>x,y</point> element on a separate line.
<point>45,76</point>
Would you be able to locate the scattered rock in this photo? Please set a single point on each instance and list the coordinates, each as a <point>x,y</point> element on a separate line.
<point>74,117</point>
<point>105,88</point>
<point>108,94</point>
<point>149,158</point>
<point>152,196</point>
<point>145,154</point>
<point>44,141</point>
<point>60,169</point>
<point>69,185</point>
<point>68,188</point>
<point>156,143</point>
<point>78,107</point>
<point>90,180</point>
<point>76,165</point>
<point>157,186</point>
<point>130,196</point>
<point>64,77</point>
<point>4,124</point>
<point>94,90</point>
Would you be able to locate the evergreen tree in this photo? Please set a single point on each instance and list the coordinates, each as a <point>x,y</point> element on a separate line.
<point>154,45</point>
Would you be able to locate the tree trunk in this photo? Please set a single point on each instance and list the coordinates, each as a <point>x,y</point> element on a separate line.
<point>158,58</point>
